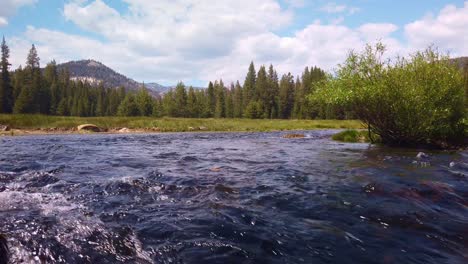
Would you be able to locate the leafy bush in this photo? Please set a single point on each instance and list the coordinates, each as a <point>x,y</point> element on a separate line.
<point>412,101</point>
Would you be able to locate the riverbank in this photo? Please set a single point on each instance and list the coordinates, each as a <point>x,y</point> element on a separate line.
<point>41,124</point>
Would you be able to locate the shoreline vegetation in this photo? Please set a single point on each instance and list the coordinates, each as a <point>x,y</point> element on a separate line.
<point>414,101</point>
<point>43,124</point>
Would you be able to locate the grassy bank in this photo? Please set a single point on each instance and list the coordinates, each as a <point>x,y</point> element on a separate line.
<point>37,122</point>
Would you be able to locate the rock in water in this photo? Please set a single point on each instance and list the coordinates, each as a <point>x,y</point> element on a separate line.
<point>452,164</point>
<point>89,127</point>
<point>422,155</point>
<point>294,136</point>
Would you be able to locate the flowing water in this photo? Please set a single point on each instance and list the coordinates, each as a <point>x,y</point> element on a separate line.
<point>229,198</point>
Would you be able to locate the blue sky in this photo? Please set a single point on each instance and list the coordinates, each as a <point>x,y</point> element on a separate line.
<point>197,41</point>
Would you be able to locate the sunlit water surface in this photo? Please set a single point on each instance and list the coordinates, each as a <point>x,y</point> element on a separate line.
<point>229,198</point>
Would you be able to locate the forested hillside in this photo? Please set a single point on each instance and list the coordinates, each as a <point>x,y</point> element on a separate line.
<point>92,91</point>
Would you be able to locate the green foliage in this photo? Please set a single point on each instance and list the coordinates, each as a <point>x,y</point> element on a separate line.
<point>220,107</point>
<point>410,101</point>
<point>286,96</point>
<point>254,110</point>
<point>356,136</point>
<point>144,102</point>
<point>6,89</point>
<point>249,86</point>
<point>52,92</point>
<point>129,106</point>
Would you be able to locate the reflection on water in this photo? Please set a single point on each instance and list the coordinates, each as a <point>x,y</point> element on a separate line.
<point>229,198</point>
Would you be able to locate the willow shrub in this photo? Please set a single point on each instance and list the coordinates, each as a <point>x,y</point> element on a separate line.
<point>414,101</point>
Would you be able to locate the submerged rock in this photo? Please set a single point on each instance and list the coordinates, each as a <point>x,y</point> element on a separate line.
<point>422,155</point>
<point>294,136</point>
<point>89,127</point>
<point>215,169</point>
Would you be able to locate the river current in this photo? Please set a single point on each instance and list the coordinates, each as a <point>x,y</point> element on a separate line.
<point>229,198</point>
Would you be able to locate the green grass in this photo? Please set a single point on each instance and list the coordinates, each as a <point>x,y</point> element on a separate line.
<point>355,136</point>
<point>172,124</point>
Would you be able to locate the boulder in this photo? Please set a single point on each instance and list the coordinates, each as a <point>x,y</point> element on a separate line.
<point>124,130</point>
<point>294,136</point>
<point>89,127</point>
<point>191,128</point>
<point>203,128</point>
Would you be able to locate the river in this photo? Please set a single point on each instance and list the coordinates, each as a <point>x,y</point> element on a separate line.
<point>229,198</point>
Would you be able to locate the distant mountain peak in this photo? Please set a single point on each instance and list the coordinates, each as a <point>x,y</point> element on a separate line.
<point>93,63</point>
<point>95,72</point>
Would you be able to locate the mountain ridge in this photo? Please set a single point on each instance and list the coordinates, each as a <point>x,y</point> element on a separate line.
<point>95,72</point>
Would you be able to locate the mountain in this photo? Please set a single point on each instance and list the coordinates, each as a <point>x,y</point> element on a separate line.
<point>161,89</point>
<point>95,72</point>
<point>461,62</point>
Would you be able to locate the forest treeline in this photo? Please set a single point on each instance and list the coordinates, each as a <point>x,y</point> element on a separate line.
<point>264,94</point>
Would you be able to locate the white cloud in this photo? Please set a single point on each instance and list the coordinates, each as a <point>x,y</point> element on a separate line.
<point>333,8</point>
<point>3,21</point>
<point>447,30</point>
<point>9,7</point>
<point>189,40</point>
<point>373,31</point>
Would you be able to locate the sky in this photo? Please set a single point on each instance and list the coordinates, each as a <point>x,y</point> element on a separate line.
<point>195,41</point>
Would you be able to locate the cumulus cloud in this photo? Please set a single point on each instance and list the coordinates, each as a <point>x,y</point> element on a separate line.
<point>448,30</point>
<point>190,40</point>
<point>9,7</point>
<point>3,21</point>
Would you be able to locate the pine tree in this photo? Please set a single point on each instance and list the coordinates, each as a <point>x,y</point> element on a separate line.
<point>220,109</point>
<point>249,86</point>
<point>192,107</point>
<point>169,104</point>
<point>100,101</point>
<point>286,96</point>
<point>6,89</point>
<point>129,106</point>
<point>203,103</point>
<point>254,110</point>
<point>157,108</point>
<point>62,108</point>
<point>32,94</point>
<point>297,109</point>
<point>271,97</point>
<point>144,102</point>
<point>180,98</point>
<point>211,94</point>
<point>237,101</point>
<point>230,101</point>
<point>261,88</point>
